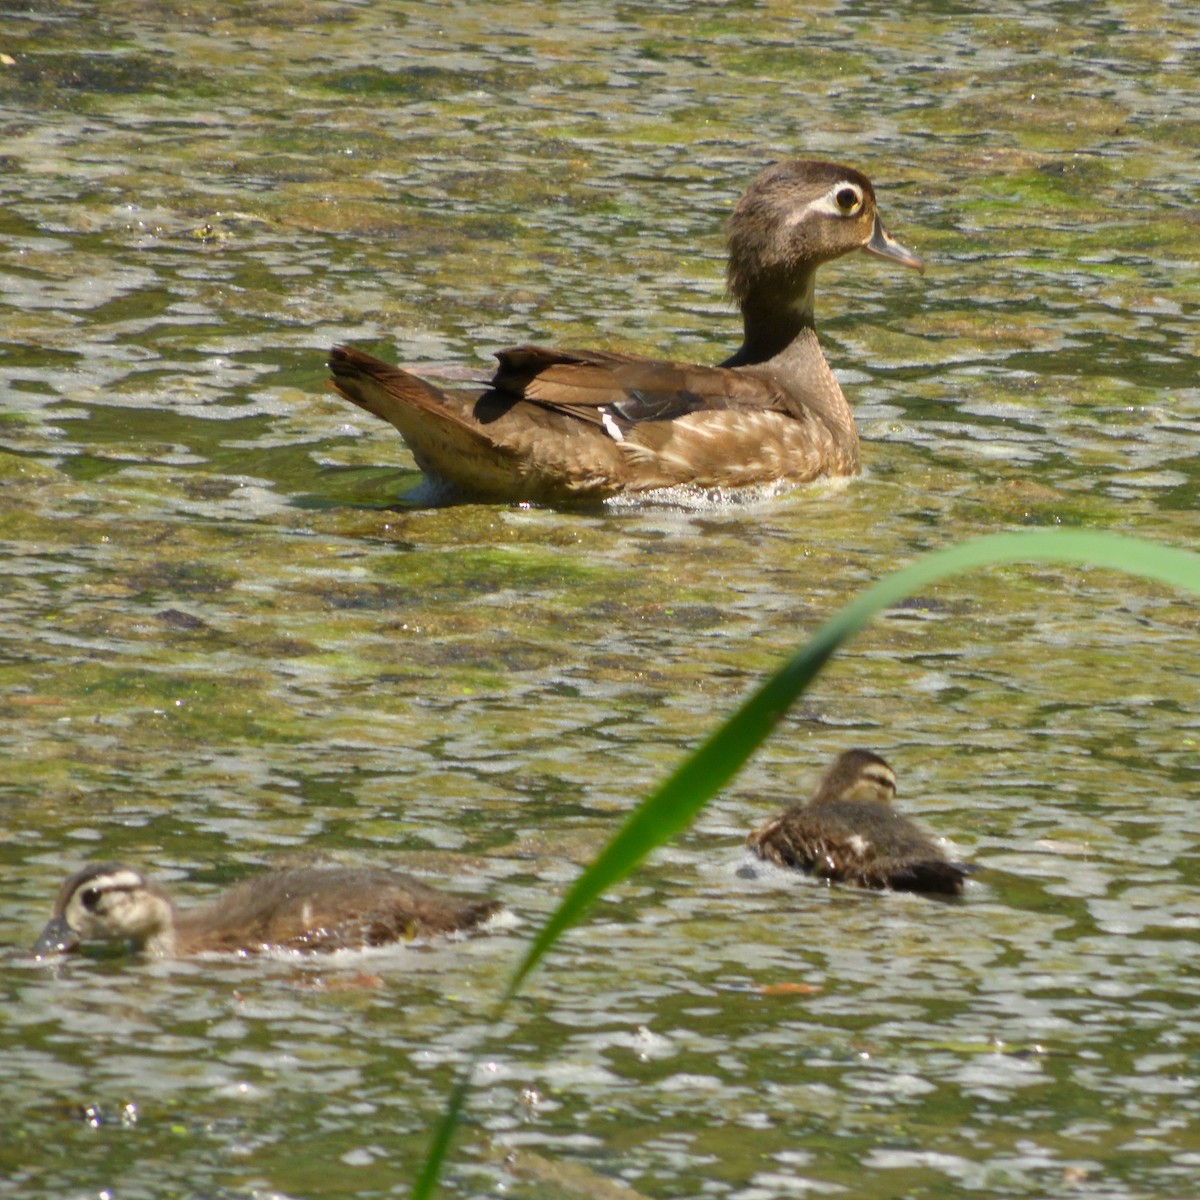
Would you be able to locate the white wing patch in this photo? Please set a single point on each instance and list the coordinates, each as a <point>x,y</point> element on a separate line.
<point>610,426</point>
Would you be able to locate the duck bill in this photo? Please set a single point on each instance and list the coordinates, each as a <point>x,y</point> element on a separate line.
<point>885,246</point>
<point>57,938</point>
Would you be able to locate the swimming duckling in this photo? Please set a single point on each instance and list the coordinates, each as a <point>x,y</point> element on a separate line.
<point>850,833</point>
<point>306,909</point>
<point>562,425</point>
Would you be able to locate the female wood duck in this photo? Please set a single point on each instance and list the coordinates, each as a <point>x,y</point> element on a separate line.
<point>562,425</point>
<point>850,833</point>
<point>308,909</point>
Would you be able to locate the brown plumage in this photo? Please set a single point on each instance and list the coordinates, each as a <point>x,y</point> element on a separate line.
<point>307,909</point>
<point>562,425</point>
<point>850,833</point>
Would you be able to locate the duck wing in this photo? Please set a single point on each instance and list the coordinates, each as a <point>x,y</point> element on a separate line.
<point>619,391</point>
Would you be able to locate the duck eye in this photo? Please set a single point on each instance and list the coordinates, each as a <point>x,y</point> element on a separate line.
<point>847,198</point>
<point>90,899</point>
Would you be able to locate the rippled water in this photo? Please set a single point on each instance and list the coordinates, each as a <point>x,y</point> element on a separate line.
<point>226,644</point>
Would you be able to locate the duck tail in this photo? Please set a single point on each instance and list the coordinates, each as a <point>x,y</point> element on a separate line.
<point>935,876</point>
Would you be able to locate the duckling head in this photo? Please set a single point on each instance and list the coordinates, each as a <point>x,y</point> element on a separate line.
<point>857,775</point>
<point>108,902</point>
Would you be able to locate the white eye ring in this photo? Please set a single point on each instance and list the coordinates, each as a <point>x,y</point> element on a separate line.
<point>830,204</point>
<point>844,199</point>
<point>847,198</point>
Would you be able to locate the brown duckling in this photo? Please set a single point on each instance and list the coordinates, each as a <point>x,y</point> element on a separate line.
<point>850,833</point>
<point>307,909</point>
<point>562,425</point>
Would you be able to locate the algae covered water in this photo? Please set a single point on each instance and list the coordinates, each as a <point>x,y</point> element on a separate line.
<point>229,643</point>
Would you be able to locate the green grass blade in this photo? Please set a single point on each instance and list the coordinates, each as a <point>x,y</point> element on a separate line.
<point>440,1145</point>
<point>671,807</point>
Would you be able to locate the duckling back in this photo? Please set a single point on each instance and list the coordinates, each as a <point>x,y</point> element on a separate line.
<point>862,842</point>
<point>315,909</point>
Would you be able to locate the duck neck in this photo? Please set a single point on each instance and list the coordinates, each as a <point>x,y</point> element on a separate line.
<point>158,938</point>
<point>773,317</point>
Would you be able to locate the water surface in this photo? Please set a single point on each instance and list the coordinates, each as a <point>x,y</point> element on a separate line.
<point>227,643</point>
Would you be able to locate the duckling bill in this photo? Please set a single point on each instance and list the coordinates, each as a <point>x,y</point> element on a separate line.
<point>585,425</point>
<point>309,909</point>
<point>850,833</point>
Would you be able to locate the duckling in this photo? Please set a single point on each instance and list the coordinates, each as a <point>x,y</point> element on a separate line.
<point>850,833</point>
<point>556,426</point>
<point>307,909</point>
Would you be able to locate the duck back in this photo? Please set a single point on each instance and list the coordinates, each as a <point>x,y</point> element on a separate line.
<point>862,842</point>
<point>322,909</point>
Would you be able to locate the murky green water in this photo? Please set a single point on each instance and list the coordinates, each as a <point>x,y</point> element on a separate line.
<point>223,645</point>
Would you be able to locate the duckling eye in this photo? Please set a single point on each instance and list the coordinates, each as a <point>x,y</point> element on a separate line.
<point>847,198</point>
<point>90,899</point>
